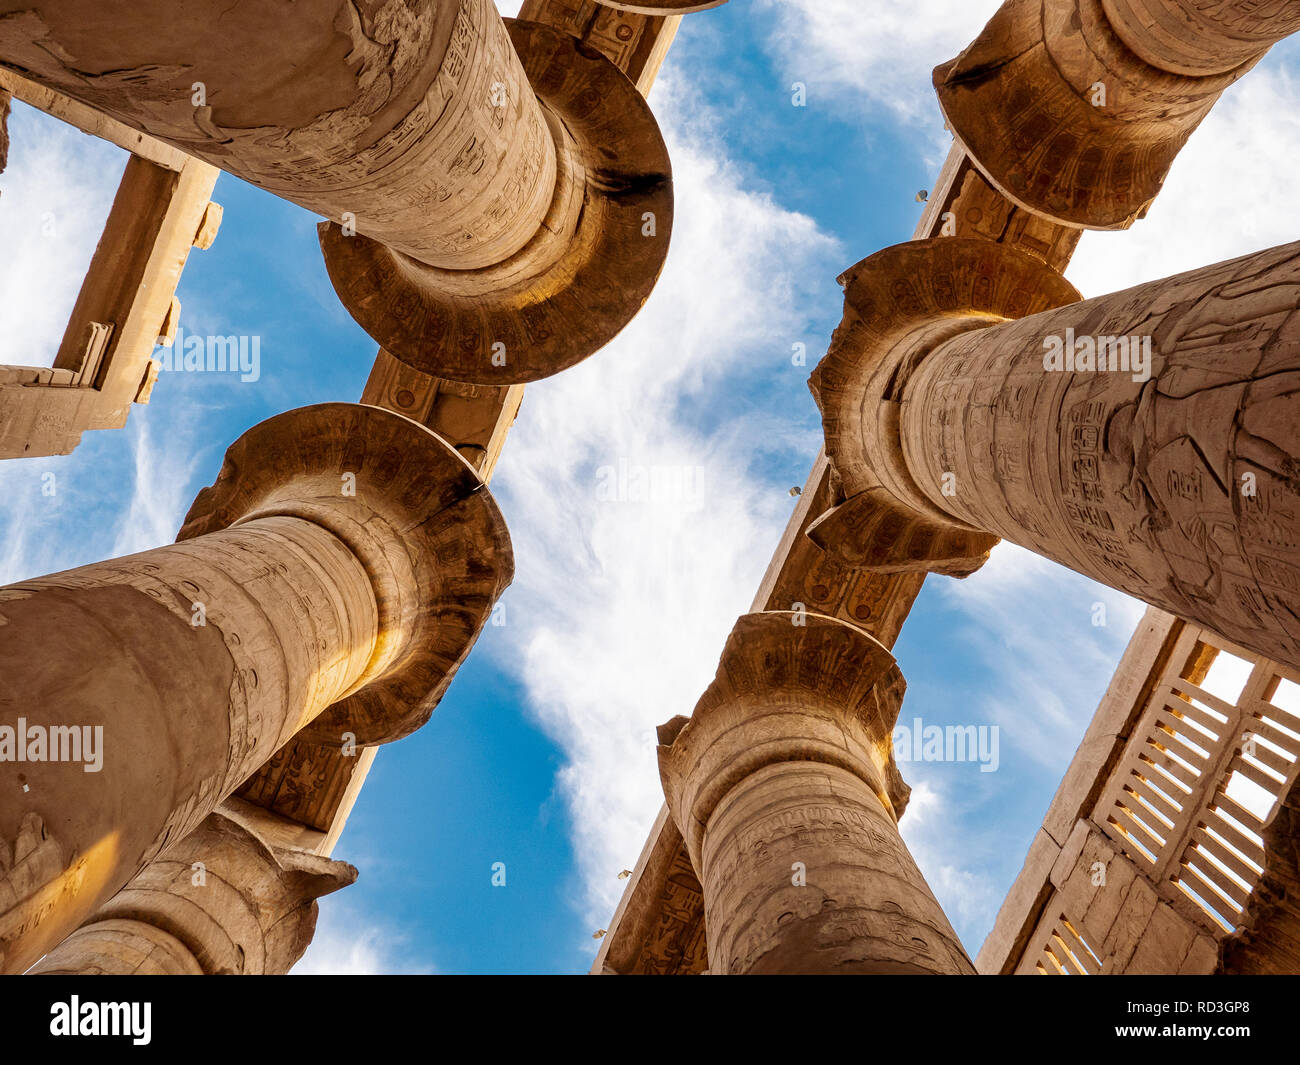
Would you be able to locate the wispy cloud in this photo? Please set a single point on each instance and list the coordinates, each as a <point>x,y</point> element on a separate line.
<point>349,942</point>
<point>621,605</point>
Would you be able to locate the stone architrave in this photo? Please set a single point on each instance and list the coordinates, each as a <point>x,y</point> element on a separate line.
<point>784,786</point>
<point>327,586</point>
<point>1148,439</point>
<point>1062,109</point>
<point>220,902</point>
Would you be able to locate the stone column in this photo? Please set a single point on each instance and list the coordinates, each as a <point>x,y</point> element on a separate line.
<point>1077,116</point>
<point>328,585</point>
<point>1147,439</point>
<point>500,200</point>
<point>383,110</point>
<point>1199,38</point>
<point>784,786</point>
<point>219,902</point>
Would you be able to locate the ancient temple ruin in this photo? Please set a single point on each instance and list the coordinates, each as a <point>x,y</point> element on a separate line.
<point>499,203</point>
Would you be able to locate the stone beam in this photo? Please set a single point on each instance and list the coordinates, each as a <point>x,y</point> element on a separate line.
<point>499,198</point>
<point>1145,863</point>
<point>327,585</point>
<point>5,97</point>
<point>127,303</point>
<point>93,122</point>
<point>1145,660</point>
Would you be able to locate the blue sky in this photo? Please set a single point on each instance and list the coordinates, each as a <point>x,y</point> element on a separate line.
<point>542,754</point>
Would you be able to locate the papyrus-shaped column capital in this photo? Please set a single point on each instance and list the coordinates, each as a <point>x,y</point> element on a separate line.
<point>416,514</point>
<point>327,585</point>
<point>899,305</point>
<point>583,275</point>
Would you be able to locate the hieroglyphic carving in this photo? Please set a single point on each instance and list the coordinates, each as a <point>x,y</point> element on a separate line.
<point>474,419</point>
<point>899,304</point>
<point>327,610</point>
<point>1200,37</point>
<point>568,292</point>
<point>962,204</point>
<point>1178,485</point>
<point>406,117</point>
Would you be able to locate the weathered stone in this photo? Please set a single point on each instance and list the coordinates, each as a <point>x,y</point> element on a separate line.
<point>329,583</point>
<point>1171,473</point>
<point>581,278</point>
<point>1197,38</point>
<point>784,785</point>
<point>233,904</point>
<point>1066,120</point>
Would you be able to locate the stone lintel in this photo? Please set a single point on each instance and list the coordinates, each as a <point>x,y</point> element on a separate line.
<point>126,303</point>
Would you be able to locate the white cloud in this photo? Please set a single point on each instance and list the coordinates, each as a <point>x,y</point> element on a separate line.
<point>874,56</point>
<point>162,485</point>
<point>621,608</point>
<point>54,197</point>
<point>349,943</point>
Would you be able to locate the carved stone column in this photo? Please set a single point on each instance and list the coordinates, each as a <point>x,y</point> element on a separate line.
<point>327,585</point>
<point>500,200</point>
<point>383,110</point>
<point>784,786</point>
<point>1063,110</point>
<point>586,271</point>
<point>1201,37</point>
<point>218,902</point>
<point>1147,439</point>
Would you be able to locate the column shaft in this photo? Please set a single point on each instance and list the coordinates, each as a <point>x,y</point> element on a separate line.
<point>328,584</point>
<point>109,657</point>
<point>1182,489</point>
<point>218,902</point>
<point>784,786</point>
<point>1200,38</point>
<point>866,907</point>
<point>412,118</point>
